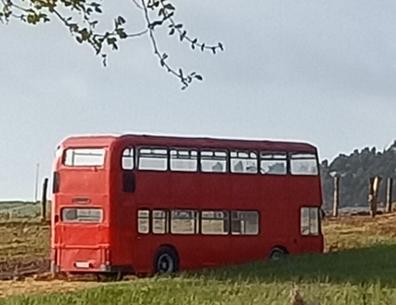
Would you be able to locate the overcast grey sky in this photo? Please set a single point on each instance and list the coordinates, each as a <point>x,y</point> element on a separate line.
<point>319,71</point>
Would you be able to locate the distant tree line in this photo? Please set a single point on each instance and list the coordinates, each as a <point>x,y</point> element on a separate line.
<point>355,171</point>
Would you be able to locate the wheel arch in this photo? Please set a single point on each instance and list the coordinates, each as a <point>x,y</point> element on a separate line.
<point>170,248</point>
<point>283,248</point>
<point>278,247</point>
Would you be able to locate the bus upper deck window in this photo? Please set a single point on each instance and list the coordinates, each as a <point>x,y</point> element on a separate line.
<point>84,157</point>
<point>213,161</point>
<point>128,161</point>
<point>243,162</point>
<point>303,164</point>
<point>183,160</point>
<point>155,159</point>
<point>273,163</point>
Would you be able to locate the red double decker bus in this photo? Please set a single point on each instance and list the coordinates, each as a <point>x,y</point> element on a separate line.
<point>145,204</point>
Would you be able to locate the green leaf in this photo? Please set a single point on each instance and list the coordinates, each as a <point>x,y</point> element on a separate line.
<point>121,20</point>
<point>121,33</point>
<point>169,6</point>
<point>183,35</point>
<point>198,77</point>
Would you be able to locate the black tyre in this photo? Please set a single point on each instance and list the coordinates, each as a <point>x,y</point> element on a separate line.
<point>166,261</point>
<point>278,253</point>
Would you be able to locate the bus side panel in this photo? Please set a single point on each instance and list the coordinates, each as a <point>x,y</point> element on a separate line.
<point>183,191</point>
<point>123,218</point>
<point>269,196</point>
<point>305,191</point>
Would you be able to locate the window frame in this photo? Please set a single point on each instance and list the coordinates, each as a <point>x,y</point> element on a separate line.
<point>244,234</point>
<point>238,151</point>
<point>190,150</point>
<point>196,217</point>
<point>73,148</point>
<point>167,221</point>
<point>314,154</point>
<point>215,150</point>
<point>319,230</point>
<point>138,218</point>
<point>134,166</point>
<point>227,218</point>
<point>286,160</point>
<point>71,222</point>
<point>138,156</point>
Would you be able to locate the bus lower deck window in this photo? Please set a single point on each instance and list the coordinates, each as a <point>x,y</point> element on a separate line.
<point>215,222</point>
<point>310,221</point>
<point>160,222</point>
<point>94,215</point>
<point>244,223</point>
<point>143,221</point>
<point>183,222</point>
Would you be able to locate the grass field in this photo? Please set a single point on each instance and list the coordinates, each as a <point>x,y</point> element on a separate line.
<point>358,268</point>
<point>23,235</point>
<point>20,210</point>
<point>23,240</point>
<point>365,276</point>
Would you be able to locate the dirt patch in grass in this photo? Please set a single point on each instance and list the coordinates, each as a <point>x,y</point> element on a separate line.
<point>24,248</point>
<point>31,286</point>
<point>24,240</point>
<point>350,232</point>
<point>23,267</point>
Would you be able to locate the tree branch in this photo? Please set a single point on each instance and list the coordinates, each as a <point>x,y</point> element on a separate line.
<point>81,22</point>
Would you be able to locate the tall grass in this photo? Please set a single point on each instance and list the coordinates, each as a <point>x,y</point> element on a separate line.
<point>360,276</point>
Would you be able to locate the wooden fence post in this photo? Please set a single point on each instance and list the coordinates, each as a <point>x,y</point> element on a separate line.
<point>373,194</point>
<point>389,191</point>
<point>44,200</point>
<point>336,195</point>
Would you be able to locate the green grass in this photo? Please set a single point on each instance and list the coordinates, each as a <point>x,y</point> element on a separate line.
<point>362,270</point>
<point>359,276</point>
<point>12,210</point>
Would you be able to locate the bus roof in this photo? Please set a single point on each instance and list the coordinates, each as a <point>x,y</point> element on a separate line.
<point>90,140</point>
<point>198,142</point>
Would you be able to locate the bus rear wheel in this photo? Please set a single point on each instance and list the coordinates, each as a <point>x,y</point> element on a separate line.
<point>278,253</point>
<point>166,261</point>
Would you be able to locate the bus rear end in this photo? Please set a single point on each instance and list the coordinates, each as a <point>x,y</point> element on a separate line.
<point>81,210</point>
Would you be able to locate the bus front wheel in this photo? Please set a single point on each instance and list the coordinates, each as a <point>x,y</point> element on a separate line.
<point>278,253</point>
<point>166,261</point>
